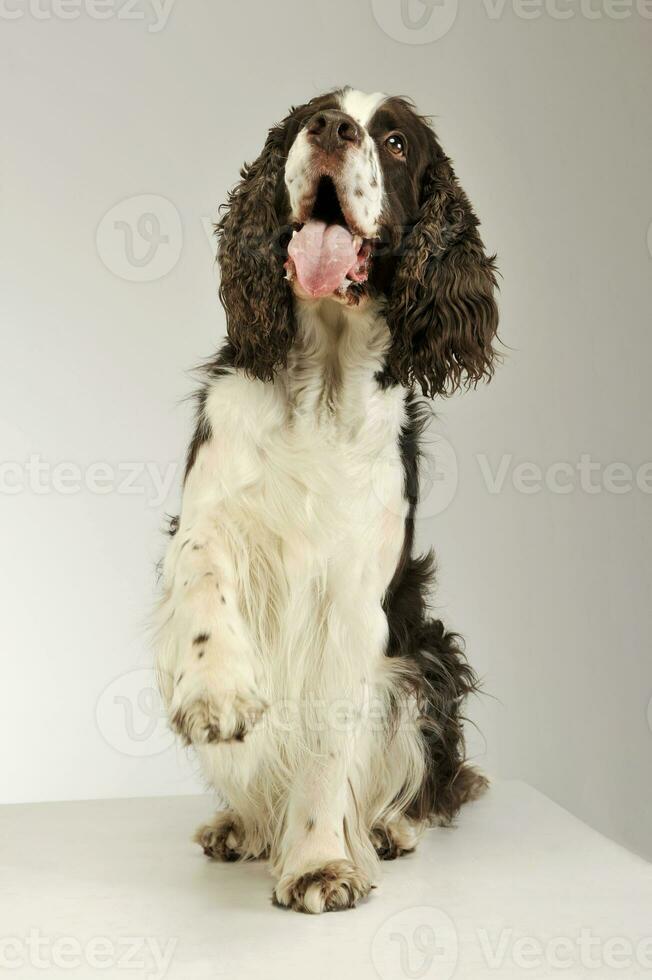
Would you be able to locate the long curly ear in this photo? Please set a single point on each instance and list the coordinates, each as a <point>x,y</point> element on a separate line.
<point>253,289</point>
<point>441,310</point>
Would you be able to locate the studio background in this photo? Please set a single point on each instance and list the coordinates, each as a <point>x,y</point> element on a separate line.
<point>120,137</point>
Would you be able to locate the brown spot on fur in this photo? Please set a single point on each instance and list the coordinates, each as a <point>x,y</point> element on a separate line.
<point>201,638</point>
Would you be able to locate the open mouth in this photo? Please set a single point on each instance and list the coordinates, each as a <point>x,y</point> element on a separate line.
<point>325,256</point>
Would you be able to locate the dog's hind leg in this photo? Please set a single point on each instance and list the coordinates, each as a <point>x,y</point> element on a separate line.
<point>438,676</point>
<point>447,680</point>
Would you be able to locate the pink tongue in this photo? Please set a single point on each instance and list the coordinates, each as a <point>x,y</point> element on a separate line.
<point>322,255</point>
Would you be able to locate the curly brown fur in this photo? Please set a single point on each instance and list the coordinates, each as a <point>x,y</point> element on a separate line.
<point>441,308</point>
<point>254,291</point>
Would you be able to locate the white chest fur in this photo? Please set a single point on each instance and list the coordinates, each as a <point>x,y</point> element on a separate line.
<point>309,467</point>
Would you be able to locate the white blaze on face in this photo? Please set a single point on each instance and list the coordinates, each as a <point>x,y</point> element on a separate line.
<point>358,181</point>
<point>299,175</point>
<point>362,179</point>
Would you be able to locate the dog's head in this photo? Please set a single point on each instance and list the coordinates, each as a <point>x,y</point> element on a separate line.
<point>352,199</point>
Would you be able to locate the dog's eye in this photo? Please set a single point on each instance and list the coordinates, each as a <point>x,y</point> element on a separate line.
<point>396,144</point>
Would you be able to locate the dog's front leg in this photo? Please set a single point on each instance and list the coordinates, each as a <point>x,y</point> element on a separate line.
<point>207,664</point>
<point>317,872</point>
<point>326,861</point>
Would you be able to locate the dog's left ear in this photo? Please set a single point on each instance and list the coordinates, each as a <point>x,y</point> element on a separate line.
<point>254,291</point>
<point>441,311</point>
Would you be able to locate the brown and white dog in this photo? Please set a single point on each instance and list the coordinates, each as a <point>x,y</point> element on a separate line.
<point>294,647</point>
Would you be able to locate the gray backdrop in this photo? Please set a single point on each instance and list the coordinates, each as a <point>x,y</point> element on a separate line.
<point>123,128</point>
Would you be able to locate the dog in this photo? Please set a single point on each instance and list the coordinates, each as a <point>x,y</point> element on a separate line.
<point>294,648</point>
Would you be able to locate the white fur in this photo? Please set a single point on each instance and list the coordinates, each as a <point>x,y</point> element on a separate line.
<point>299,178</point>
<point>287,517</point>
<point>358,177</point>
<point>361,105</point>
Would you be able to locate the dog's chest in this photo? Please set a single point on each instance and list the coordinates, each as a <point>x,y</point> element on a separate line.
<point>311,468</point>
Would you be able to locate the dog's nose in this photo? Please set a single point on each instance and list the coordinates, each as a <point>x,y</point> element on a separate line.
<point>331,130</point>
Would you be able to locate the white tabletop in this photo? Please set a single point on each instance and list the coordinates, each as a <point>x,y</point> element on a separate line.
<point>115,889</point>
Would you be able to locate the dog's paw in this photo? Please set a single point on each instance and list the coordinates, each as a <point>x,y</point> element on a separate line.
<point>229,718</point>
<point>224,838</point>
<point>331,888</point>
<point>396,838</point>
<point>205,712</point>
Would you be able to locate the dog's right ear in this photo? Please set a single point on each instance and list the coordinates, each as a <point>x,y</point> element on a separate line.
<point>255,294</point>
